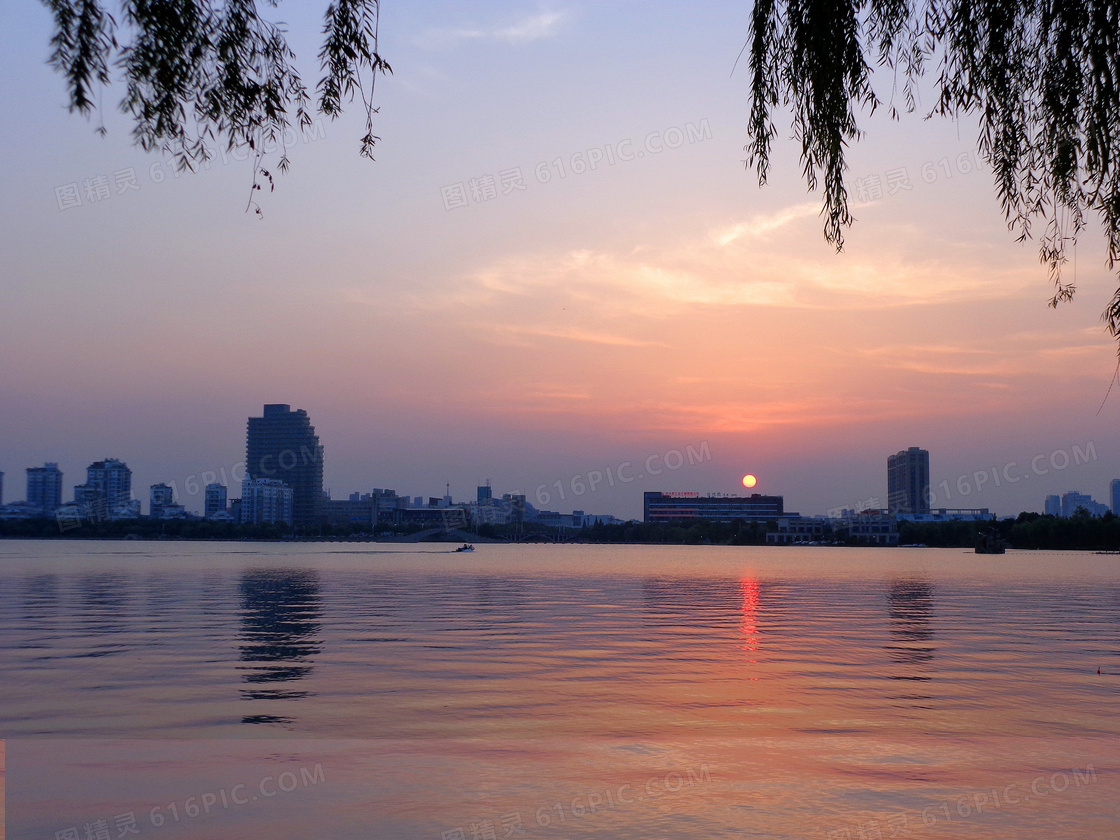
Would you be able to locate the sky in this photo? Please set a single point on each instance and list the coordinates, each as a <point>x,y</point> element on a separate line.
<point>481,303</point>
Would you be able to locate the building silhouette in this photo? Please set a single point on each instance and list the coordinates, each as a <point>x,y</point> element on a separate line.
<point>1114,495</point>
<point>281,445</point>
<point>108,490</point>
<point>674,507</point>
<point>908,481</point>
<point>1073,500</point>
<point>215,499</point>
<point>44,487</point>
<point>160,496</point>
<point>266,500</point>
<point>1053,506</point>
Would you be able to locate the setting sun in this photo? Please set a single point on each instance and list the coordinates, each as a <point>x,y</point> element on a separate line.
<point>749,481</point>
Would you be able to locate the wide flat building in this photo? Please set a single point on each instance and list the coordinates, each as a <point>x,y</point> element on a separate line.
<point>359,513</point>
<point>677,507</point>
<point>948,515</point>
<point>282,445</point>
<point>908,481</point>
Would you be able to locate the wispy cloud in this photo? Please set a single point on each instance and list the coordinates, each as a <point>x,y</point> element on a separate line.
<point>717,417</point>
<point>762,224</point>
<point>762,261</point>
<point>533,27</point>
<point>988,357</point>
<point>578,335</point>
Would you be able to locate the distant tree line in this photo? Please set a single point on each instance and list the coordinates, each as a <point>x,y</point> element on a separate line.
<point>705,533</point>
<point>186,529</point>
<point>1029,530</point>
<point>736,532</point>
<point>149,529</point>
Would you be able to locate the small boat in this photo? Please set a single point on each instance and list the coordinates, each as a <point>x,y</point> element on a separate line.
<point>465,547</point>
<point>990,542</point>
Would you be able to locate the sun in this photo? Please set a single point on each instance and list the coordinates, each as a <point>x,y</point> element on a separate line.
<point>749,480</point>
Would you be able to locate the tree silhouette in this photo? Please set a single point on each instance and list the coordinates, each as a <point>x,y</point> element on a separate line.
<point>1041,76</point>
<point>202,71</point>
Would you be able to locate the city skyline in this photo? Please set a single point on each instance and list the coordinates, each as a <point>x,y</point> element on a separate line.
<point>580,491</point>
<point>547,328</point>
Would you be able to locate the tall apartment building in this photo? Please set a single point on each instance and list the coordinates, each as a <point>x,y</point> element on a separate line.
<point>44,487</point>
<point>281,445</point>
<point>215,499</point>
<point>108,489</point>
<point>1114,495</point>
<point>1053,505</point>
<point>908,481</point>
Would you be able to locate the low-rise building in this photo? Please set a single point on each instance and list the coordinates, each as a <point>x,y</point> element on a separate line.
<point>867,527</point>
<point>265,500</point>
<point>20,510</point>
<point>360,513</point>
<point>159,497</point>
<point>949,515</point>
<point>800,530</point>
<point>215,500</point>
<point>685,506</point>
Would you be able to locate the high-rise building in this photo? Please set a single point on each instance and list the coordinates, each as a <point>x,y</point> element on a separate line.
<point>1114,495</point>
<point>108,487</point>
<point>44,487</point>
<point>215,499</point>
<point>1053,505</point>
<point>266,500</point>
<point>908,481</point>
<point>160,496</point>
<point>1073,500</point>
<point>1,488</point>
<point>282,446</point>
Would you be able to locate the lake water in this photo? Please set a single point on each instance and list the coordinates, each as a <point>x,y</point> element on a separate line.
<point>261,691</point>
